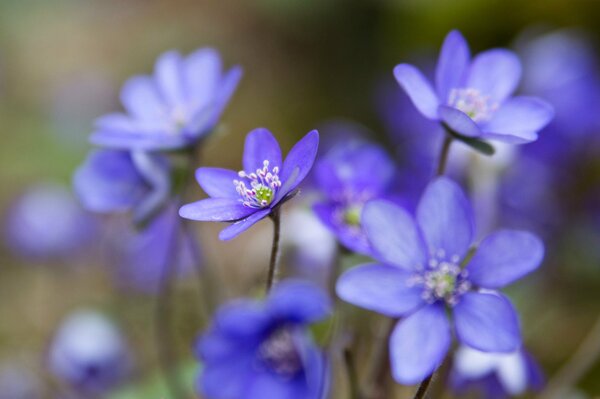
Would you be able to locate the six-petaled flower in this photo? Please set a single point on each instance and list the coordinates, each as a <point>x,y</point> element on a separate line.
<point>426,267</point>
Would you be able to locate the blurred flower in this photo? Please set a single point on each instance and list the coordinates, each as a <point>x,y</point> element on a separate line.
<point>262,350</point>
<point>472,98</point>
<point>144,255</point>
<point>252,194</point>
<point>19,382</point>
<point>89,353</point>
<point>496,375</point>
<point>349,175</point>
<point>119,181</point>
<point>173,109</point>
<point>421,274</point>
<point>47,222</point>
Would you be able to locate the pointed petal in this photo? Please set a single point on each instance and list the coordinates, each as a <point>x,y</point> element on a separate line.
<point>418,89</point>
<point>419,344</point>
<point>141,99</point>
<point>495,73</point>
<point>459,122</point>
<point>505,256</point>
<point>168,73</point>
<point>393,235</point>
<point>520,118</point>
<point>446,218</point>
<point>215,210</point>
<point>380,288</point>
<point>238,228</point>
<point>299,301</point>
<point>298,163</point>
<point>487,322</point>
<point>452,65</point>
<point>218,182</point>
<point>260,146</point>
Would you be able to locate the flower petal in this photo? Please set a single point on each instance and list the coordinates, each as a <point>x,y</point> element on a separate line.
<point>239,227</point>
<point>419,344</point>
<point>299,301</point>
<point>418,89</point>
<point>350,236</point>
<point>202,73</point>
<point>521,118</point>
<point>215,210</point>
<point>141,99</point>
<point>236,372</point>
<point>266,385</point>
<point>487,322</point>
<point>298,162</point>
<point>393,235</point>
<point>380,288</point>
<point>459,122</point>
<point>260,146</point>
<point>495,73</point>
<point>218,182</point>
<point>505,256</point>
<point>452,65</point>
<point>168,73</point>
<point>446,218</point>
<point>242,318</point>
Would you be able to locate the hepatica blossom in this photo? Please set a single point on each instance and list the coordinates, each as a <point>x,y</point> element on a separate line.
<point>257,350</point>
<point>349,175</point>
<point>473,98</point>
<point>247,196</point>
<point>425,267</point>
<point>174,108</point>
<point>495,375</point>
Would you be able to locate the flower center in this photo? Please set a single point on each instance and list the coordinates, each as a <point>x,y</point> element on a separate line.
<point>352,215</point>
<point>443,279</point>
<point>480,108</point>
<point>279,353</point>
<point>258,189</point>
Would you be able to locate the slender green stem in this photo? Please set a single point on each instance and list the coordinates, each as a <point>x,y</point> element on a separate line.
<point>422,391</point>
<point>352,374</point>
<point>272,274</point>
<point>443,159</point>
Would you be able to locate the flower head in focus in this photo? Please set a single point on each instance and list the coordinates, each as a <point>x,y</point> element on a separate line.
<point>258,349</point>
<point>181,103</point>
<point>427,266</point>
<point>496,375</point>
<point>349,175</point>
<point>89,353</point>
<point>473,97</point>
<point>247,196</point>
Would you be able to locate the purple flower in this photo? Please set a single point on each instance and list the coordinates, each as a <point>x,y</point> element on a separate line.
<point>252,194</point>
<point>472,98</point>
<point>496,375</point>
<point>89,353</point>
<point>421,273</point>
<point>259,350</point>
<point>120,181</point>
<point>349,175</point>
<point>175,108</point>
<point>44,205</point>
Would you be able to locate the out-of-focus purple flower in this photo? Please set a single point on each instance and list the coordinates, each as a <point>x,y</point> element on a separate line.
<point>472,98</point>
<point>259,350</point>
<point>144,255</point>
<point>47,222</point>
<point>18,382</point>
<point>120,181</point>
<point>89,353</point>
<point>420,274</point>
<point>252,194</point>
<point>177,106</point>
<point>494,375</point>
<point>349,175</point>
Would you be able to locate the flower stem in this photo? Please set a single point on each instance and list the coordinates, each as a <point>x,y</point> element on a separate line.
<point>443,159</point>
<point>272,274</point>
<point>422,391</point>
<point>352,374</point>
<point>377,370</point>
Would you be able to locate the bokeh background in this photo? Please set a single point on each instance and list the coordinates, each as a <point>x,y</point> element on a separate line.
<point>62,63</point>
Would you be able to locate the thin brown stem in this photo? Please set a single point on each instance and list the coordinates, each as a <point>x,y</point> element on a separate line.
<point>422,391</point>
<point>272,273</point>
<point>352,374</point>
<point>443,159</point>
